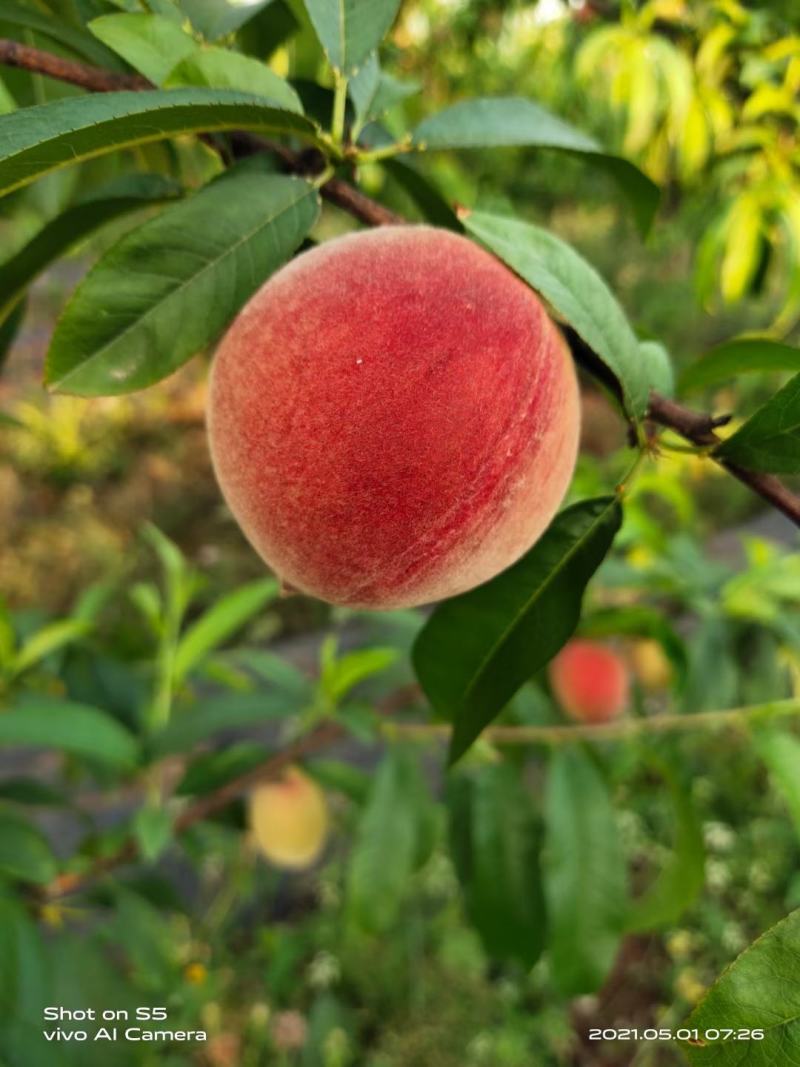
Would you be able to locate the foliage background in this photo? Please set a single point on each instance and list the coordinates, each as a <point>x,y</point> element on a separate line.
<point>376,956</point>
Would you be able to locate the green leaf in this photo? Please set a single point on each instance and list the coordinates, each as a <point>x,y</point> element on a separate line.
<point>769,440</point>
<point>372,91</point>
<point>211,716</point>
<point>658,370</point>
<point>214,769</point>
<point>496,839</point>
<point>220,622</point>
<point>31,791</point>
<point>681,881</point>
<point>505,122</point>
<point>219,68</point>
<point>37,140</point>
<point>169,288</point>
<point>747,355</point>
<point>152,831</point>
<point>275,670</point>
<point>759,991</point>
<point>341,675</point>
<point>477,649</point>
<point>24,974</point>
<point>385,852</point>
<point>575,290</point>
<point>780,751</point>
<point>24,851</point>
<point>9,328</point>
<point>349,30</point>
<point>218,18</point>
<point>585,874</point>
<point>151,44</point>
<point>46,722</point>
<point>61,32</point>
<point>49,639</point>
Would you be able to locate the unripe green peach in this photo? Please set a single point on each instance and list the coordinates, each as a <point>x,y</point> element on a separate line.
<point>590,681</point>
<point>393,418</point>
<point>289,820</point>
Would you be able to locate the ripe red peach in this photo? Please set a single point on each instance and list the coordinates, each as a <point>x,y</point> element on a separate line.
<point>393,418</point>
<point>289,820</point>
<point>590,681</point>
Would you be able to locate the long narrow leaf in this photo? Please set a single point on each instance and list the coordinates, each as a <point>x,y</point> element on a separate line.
<point>37,140</point>
<point>170,288</point>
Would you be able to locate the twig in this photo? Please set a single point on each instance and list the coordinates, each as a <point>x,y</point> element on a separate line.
<point>13,54</point>
<point>619,730</point>
<point>699,429</point>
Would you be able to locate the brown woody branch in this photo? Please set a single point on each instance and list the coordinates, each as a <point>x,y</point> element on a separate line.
<point>13,54</point>
<point>694,426</point>
<point>699,429</point>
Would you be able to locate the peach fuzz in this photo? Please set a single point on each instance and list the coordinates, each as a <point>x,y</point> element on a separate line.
<point>289,820</point>
<point>393,418</point>
<point>590,681</point>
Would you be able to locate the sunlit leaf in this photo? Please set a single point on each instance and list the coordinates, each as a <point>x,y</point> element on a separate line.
<point>770,439</point>
<point>170,287</point>
<point>759,991</point>
<point>350,29</point>
<point>504,122</point>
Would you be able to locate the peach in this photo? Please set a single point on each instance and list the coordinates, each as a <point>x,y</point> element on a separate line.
<point>650,664</point>
<point>393,418</point>
<point>289,820</point>
<point>590,681</point>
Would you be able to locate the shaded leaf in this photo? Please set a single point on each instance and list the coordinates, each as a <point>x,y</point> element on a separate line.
<point>496,839</point>
<point>585,874</point>
<point>681,880</point>
<point>770,439</point>
<point>46,722</point>
<point>59,30</point>
<point>433,206</point>
<point>780,751</point>
<point>169,288</point>
<point>759,991</point>
<point>37,140</point>
<point>385,852</point>
<point>31,791</point>
<point>747,355</point>
<point>575,290</point>
<point>24,851</point>
<point>152,831</point>
<point>211,716</point>
<point>349,30</point>
<point>477,649</point>
<point>503,122</point>
<point>9,328</point>
<point>214,769</point>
